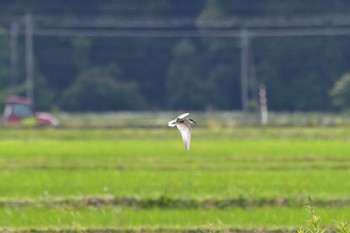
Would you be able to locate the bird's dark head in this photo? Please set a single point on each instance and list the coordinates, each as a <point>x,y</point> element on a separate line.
<point>192,121</point>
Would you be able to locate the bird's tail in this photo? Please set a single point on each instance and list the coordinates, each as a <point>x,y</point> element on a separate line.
<point>172,123</point>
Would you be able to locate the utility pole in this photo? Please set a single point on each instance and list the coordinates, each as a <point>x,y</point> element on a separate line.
<point>28,20</point>
<point>253,88</point>
<point>14,53</point>
<point>245,43</point>
<point>264,115</point>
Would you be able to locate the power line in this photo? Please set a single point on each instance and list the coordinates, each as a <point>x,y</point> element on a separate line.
<point>186,27</point>
<point>69,21</point>
<point>193,33</point>
<point>171,23</point>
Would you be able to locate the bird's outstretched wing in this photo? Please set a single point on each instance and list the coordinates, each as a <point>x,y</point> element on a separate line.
<point>185,130</point>
<point>182,116</point>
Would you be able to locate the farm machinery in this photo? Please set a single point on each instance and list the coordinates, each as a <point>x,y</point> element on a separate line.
<point>19,111</point>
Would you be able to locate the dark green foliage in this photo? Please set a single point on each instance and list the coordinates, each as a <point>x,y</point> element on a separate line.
<point>184,84</point>
<point>100,89</point>
<point>174,73</point>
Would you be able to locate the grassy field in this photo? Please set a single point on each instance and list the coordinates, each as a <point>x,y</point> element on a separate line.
<point>142,179</point>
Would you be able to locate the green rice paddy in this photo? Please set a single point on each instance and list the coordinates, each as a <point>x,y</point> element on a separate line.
<point>142,179</point>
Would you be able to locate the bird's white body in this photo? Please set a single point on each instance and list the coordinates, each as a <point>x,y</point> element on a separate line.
<point>183,124</point>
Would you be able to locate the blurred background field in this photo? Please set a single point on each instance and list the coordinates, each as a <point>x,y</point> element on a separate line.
<point>117,179</point>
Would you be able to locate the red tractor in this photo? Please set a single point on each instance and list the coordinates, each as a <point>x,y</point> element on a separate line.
<point>19,111</point>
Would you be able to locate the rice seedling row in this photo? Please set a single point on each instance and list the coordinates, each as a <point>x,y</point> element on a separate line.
<point>118,218</point>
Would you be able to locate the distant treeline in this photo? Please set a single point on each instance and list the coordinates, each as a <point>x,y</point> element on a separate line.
<point>85,73</point>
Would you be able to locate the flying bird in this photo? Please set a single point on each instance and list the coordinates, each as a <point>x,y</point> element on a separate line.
<point>182,122</point>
